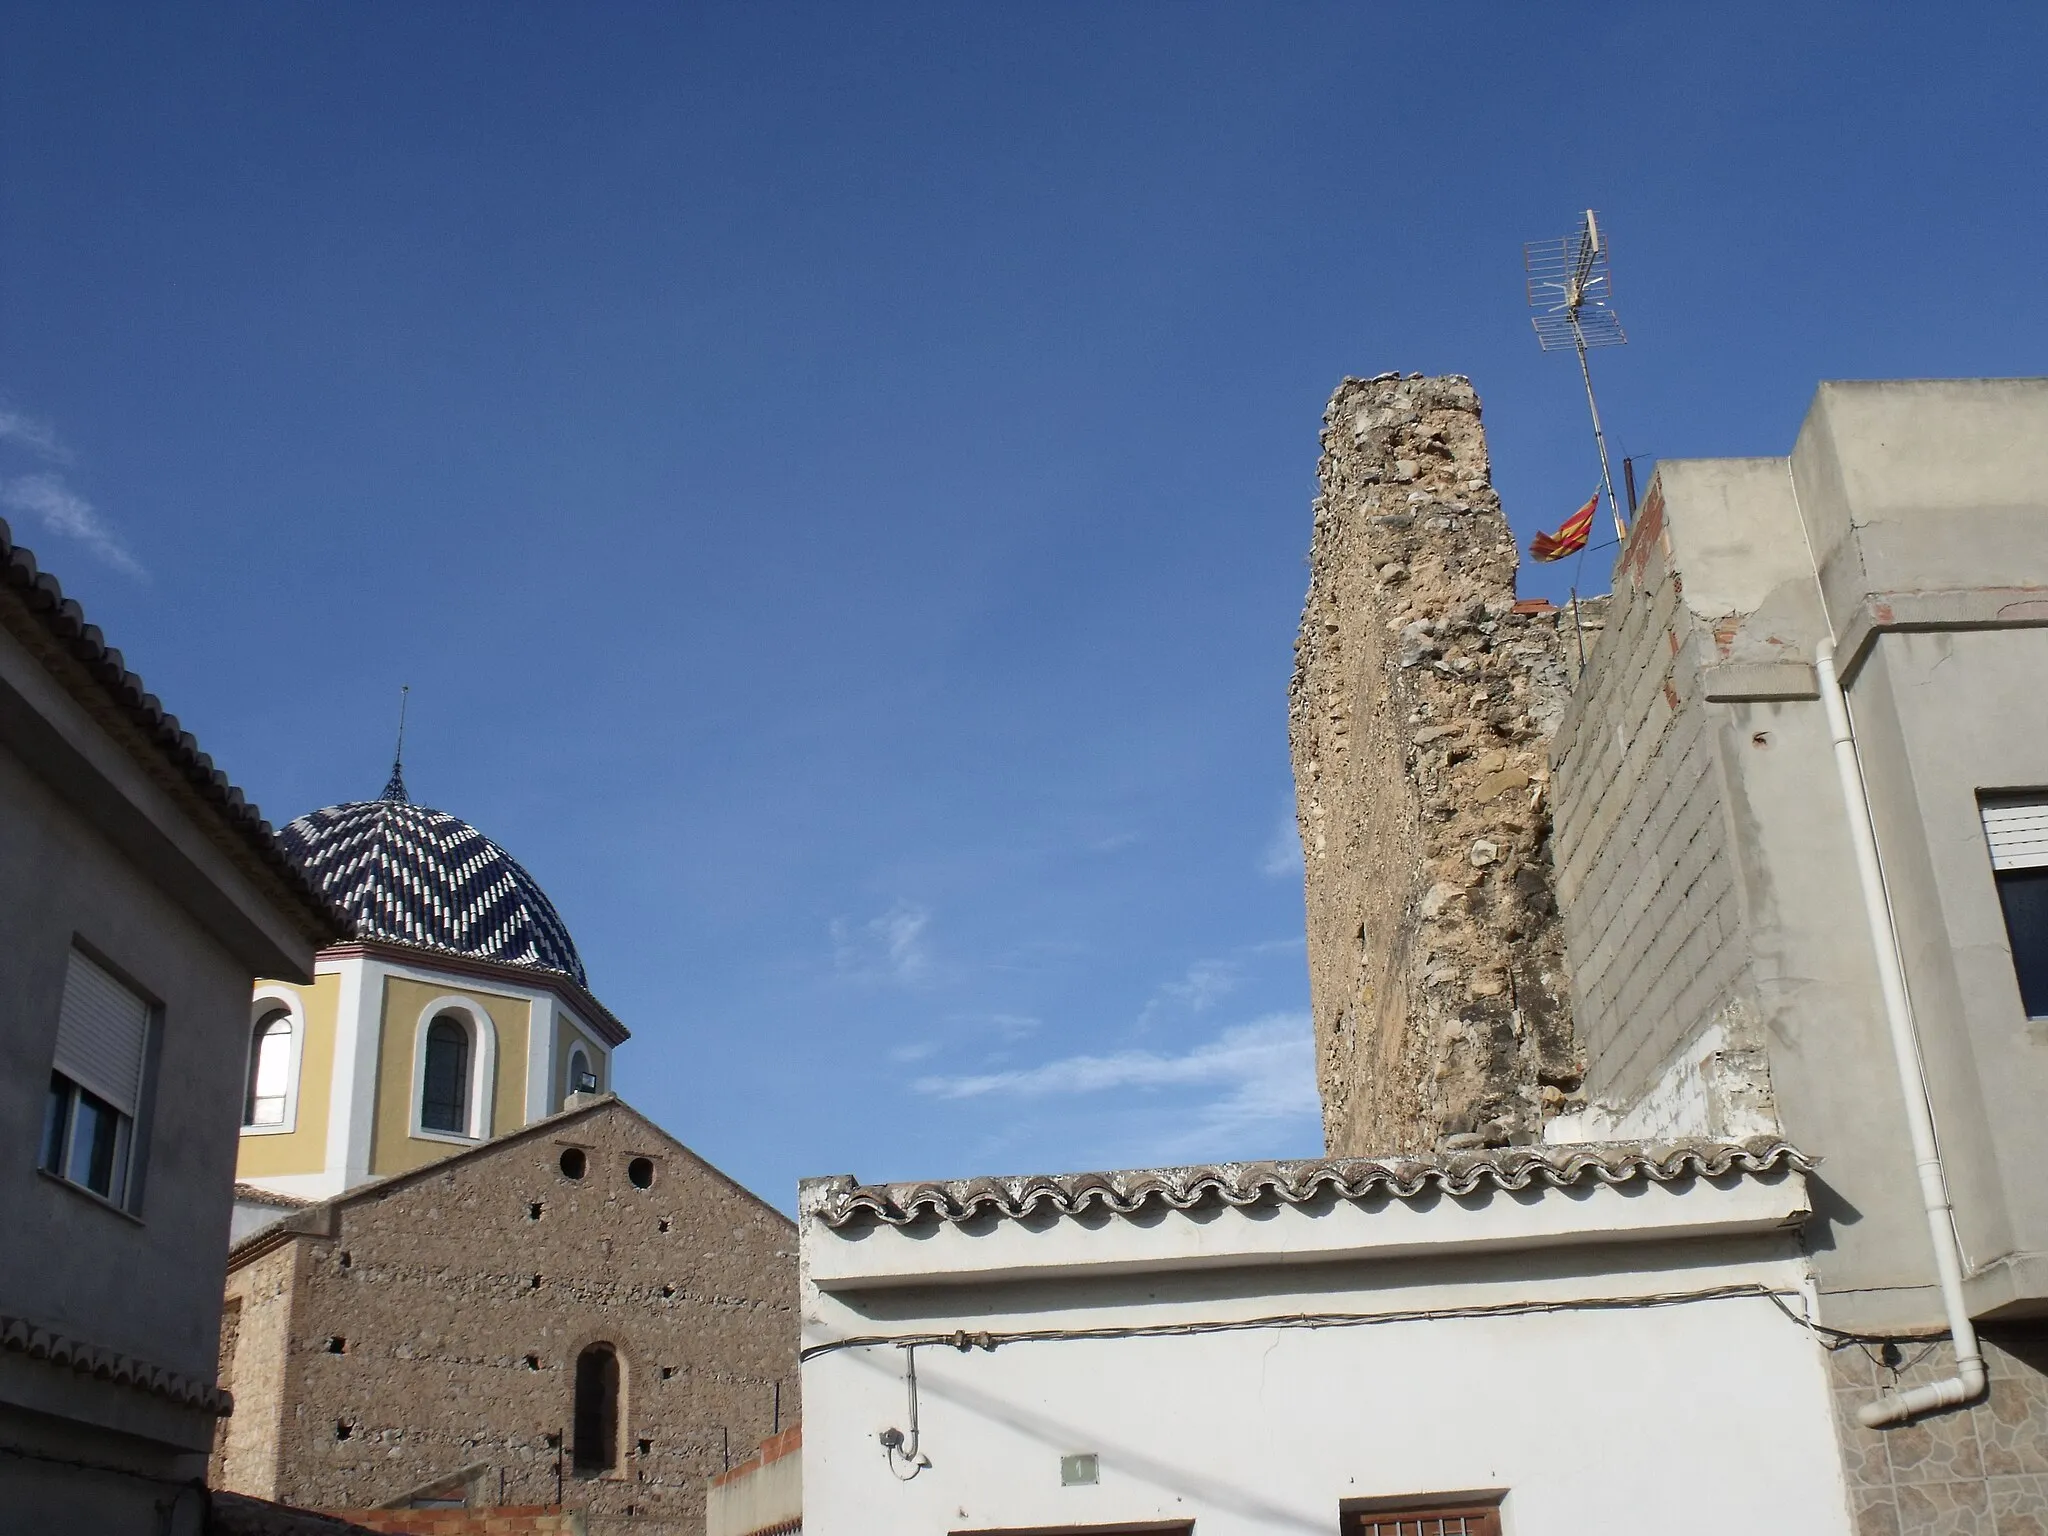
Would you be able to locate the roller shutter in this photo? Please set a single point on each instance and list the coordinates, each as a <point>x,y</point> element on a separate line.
<point>102,1030</point>
<point>2018,832</point>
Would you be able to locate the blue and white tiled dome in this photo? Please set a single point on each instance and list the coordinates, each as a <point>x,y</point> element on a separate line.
<point>410,875</point>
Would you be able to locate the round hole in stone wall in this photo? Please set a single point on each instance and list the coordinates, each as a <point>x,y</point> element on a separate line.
<point>641,1172</point>
<point>572,1162</point>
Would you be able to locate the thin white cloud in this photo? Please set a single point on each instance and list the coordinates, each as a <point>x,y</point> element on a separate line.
<point>1203,984</point>
<point>62,511</point>
<point>1248,1092</point>
<point>891,947</point>
<point>1267,1064</point>
<point>32,435</point>
<point>1282,856</point>
<point>1002,1026</point>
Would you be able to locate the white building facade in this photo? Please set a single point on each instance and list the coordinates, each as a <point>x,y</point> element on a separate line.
<point>1562,1341</point>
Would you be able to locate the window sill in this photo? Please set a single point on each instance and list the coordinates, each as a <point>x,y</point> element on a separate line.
<point>92,1196</point>
<point>455,1138</point>
<point>270,1130</point>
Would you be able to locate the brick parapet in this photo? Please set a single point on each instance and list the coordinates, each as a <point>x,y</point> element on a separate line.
<point>1647,869</point>
<point>772,1450</point>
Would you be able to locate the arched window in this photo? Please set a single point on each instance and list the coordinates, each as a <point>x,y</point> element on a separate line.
<point>581,1078</point>
<point>597,1410</point>
<point>270,1070</point>
<point>444,1090</point>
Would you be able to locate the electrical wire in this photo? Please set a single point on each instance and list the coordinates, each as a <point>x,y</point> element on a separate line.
<point>990,1340</point>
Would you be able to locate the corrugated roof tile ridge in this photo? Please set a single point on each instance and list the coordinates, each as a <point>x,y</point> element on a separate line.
<point>838,1201</point>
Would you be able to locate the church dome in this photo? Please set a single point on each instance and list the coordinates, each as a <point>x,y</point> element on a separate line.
<point>409,875</point>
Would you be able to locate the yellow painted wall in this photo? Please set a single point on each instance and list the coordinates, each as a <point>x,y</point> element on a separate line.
<point>303,1149</point>
<point>393,1147</point>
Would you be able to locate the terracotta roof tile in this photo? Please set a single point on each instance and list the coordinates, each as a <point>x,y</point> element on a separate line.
<point>838,1201</point>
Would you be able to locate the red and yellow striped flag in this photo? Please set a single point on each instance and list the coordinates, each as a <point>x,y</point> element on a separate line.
<point>1569,539</point>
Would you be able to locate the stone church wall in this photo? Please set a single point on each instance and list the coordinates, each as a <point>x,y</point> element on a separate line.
<point>434,1331</point>
<point>255,1350</point>
<point>1423,698</point>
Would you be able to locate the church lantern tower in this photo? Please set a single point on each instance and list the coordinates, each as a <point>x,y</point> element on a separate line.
<point>457,1010</point>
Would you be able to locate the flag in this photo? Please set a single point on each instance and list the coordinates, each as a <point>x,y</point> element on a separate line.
<point>1569,539</point>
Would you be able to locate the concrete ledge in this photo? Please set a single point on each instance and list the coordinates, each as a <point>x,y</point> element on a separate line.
<point>1964,608</point>
<point>2014,1286</point>
<point>1739,682</point>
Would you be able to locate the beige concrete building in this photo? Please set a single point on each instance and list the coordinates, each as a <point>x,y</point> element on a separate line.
<point>579,1313</point>
<point>139,894</point>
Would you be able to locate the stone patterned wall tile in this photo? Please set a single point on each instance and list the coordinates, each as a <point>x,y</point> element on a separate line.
<point>1941,1448</point>
<point>1945,1509</point>
<point>1850,1366</point>
<point>2019,1505</point>
<point>1865,1461</point>
<point>1926,1360</point>
<point>2012,1426</point>
<point>1874,1512</point>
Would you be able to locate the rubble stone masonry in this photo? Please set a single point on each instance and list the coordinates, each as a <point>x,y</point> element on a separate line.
<point>1423,698</point>
<point>418,1337</point>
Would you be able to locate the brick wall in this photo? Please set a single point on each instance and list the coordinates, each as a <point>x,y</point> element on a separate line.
<point>1645,867</point>
<point>1422,699</point>
<point>423,1355</point>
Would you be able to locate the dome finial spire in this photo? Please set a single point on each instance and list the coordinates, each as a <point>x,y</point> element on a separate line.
<point>394,788</point>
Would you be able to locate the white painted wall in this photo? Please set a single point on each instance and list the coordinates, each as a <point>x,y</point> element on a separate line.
<point>1696,1419</point>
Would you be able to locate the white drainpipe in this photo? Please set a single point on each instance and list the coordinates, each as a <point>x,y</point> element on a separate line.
<point>1968,1383</point>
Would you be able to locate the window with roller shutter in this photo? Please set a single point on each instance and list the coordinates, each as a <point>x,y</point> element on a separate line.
<point>2016,830</point>
<point>96,1080</point>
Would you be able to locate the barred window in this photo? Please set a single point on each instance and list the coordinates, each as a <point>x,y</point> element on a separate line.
<point>1462,1520</point>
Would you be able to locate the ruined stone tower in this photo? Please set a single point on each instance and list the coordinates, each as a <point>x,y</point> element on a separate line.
<point>1422,701</point>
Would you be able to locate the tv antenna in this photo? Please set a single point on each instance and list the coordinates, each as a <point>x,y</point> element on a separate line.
<point>1569,288</point>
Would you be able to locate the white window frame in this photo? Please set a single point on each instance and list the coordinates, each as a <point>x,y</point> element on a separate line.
<point>483,1067</point>
<point>268,999</point>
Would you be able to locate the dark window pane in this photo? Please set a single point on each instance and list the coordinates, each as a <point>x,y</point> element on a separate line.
<point>444,1099</point>
<point>597,1409</point>
<point>56,1118</point>
<point>96,1146</point>
<point>2024,895</point>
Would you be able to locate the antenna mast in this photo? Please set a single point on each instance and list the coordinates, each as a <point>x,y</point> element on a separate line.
<point>1569,286</point>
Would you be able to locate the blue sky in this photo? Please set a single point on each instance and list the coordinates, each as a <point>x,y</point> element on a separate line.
<point>837,478</point>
